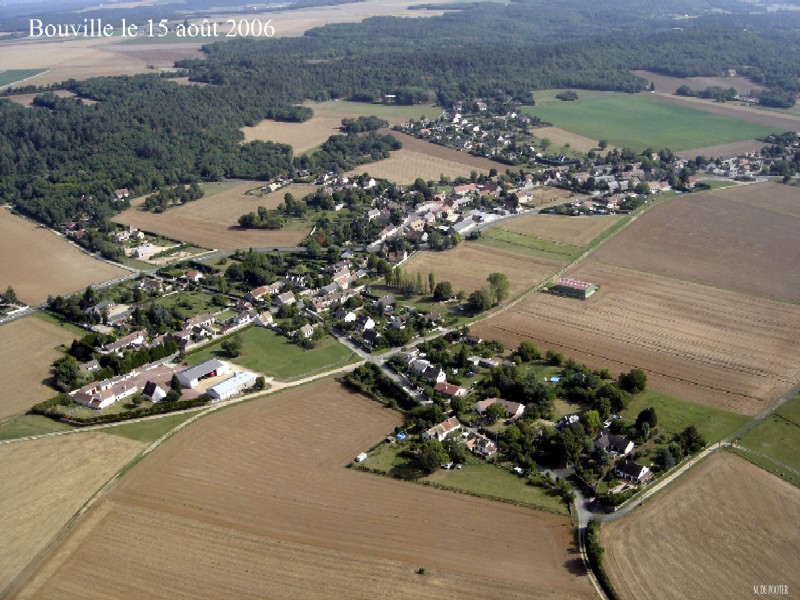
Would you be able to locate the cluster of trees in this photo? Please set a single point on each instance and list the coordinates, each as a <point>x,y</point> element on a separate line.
<point>567,96</point>
<point>363,124</point>
<point>508,381</point>
<point>274,219</point>
<point>491,294</point>
<point>410,285</point>
<point>369,379</point>
<point>712,92</point>
<point>171,196</point>
<point>9,296</point>
<point>341,153</point>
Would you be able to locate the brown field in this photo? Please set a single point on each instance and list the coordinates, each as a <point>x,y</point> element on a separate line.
<point>36,262</point>
<point>45,482</point>
<point>723,528</point>
<point>419,158</point>
<point>578,231</point>
<point>667,85</point>
<point>468,266</point>
<point>561,137</point>
<point>27,349</point>
<point>211,222</point>
<point>544,195</point>
<point>256,502</point>
<point>300,136</point>
<point>161,56</point>
<point>741,238</point>
<point>703,344</point>
<point>27,99</point>
<point>76,59</point>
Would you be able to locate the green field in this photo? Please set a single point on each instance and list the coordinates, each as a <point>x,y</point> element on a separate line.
<point>640,121</point>
<point>266,352</point>
<point>674,415</point>
<point>519,243</point>
<point>25,425</point>
<point>15,75</point>
<point>151,429</point>
<point>777,441</point>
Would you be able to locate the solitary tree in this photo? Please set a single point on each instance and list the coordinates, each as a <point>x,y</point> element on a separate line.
<point>10,296</point>
<point>528,352</point>
<point>232,346</point>
<point>494,412</point>
<point>443,291</point>
<point>633,381</point>
<point>432,455</point>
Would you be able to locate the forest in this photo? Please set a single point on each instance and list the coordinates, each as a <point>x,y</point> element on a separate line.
<point>63,158</point>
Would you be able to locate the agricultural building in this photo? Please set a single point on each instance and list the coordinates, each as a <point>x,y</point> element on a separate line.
<point>574,288</point>
<point>189,378</point>
<point>231,386</point>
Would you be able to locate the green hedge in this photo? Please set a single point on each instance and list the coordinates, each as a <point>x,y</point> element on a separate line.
<point>595,552</point>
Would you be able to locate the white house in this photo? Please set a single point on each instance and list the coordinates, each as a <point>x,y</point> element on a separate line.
<point>442,430</point>
<point>512,409</point>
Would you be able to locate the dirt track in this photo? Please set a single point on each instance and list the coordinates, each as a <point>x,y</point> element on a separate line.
<point>255,501</point>
<point>725,527</point>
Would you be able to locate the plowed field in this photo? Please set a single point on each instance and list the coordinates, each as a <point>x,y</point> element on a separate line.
<point>256,502</point>
<point>722,529</point>
<point>708,345</point>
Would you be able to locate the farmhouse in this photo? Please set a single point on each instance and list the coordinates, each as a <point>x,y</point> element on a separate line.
<point>231,386</point>
<point>633,472</point>
<point>574,288</point>
<point>480,445</point>
<point>513,409</point>
<point>449,390</point>
<point>189,378</point>
<point>194,276</point>
<point>199,321</point>
<point>614,443</point>
<point>132,340</point>
<point>442,430</point>
<point>153,392</point>
<point>258,293</point>
<point>286,298</point>
<point>100,394</point>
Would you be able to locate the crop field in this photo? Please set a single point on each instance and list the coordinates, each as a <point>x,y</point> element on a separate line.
<point>45,482</point>
<point>543,196</point>
<point>642,121</point>
<point>300,136</point>
<point>419,158</point>
<point>468,266</point>
<point>15,75</point>
<point>27,349</point>
<point>740,239</point>
<point>255,501</point>
<point>773,118</point>
<point>212,221</point>
<point>36,262</point>
<point>699,538</point>
<point>566,139</point>
<point>708,345</point>
<point>68,59</point>
<point>577,231</point>
<point>266,352</point>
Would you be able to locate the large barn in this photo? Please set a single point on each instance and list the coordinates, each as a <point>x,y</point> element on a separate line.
<point>574,288</point>
<point>189,378</point>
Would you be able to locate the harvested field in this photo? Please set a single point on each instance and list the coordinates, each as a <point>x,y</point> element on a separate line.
<point>45,482</point>
<point>419,158</point>
<point>703,344</point>
<point>37,262</point>
<point>468,266</point>
<point>27,99</point>
<point>562,137</point>
<point>742,239</point>
<point>212,221</point>
<point>255,501</point>
<point>68,59</point>
<point>666,84</point>
<point>566,230</point>
<point>544,196</point>
<point>300,136</point>
<point>161,56</point>
<point>27,349</point>
<point>700,537</point>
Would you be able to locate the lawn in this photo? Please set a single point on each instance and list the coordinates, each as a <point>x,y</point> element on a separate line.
<point>476,477</point>
<point>674,415</point>
<point>194,303</point>
<point>519,243</point>
<point>25,425</point>
<point>641,121</point>
<point>777,438</point>
<point>149,430</point>
<point>14,75</point>
<point>266,352</point>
